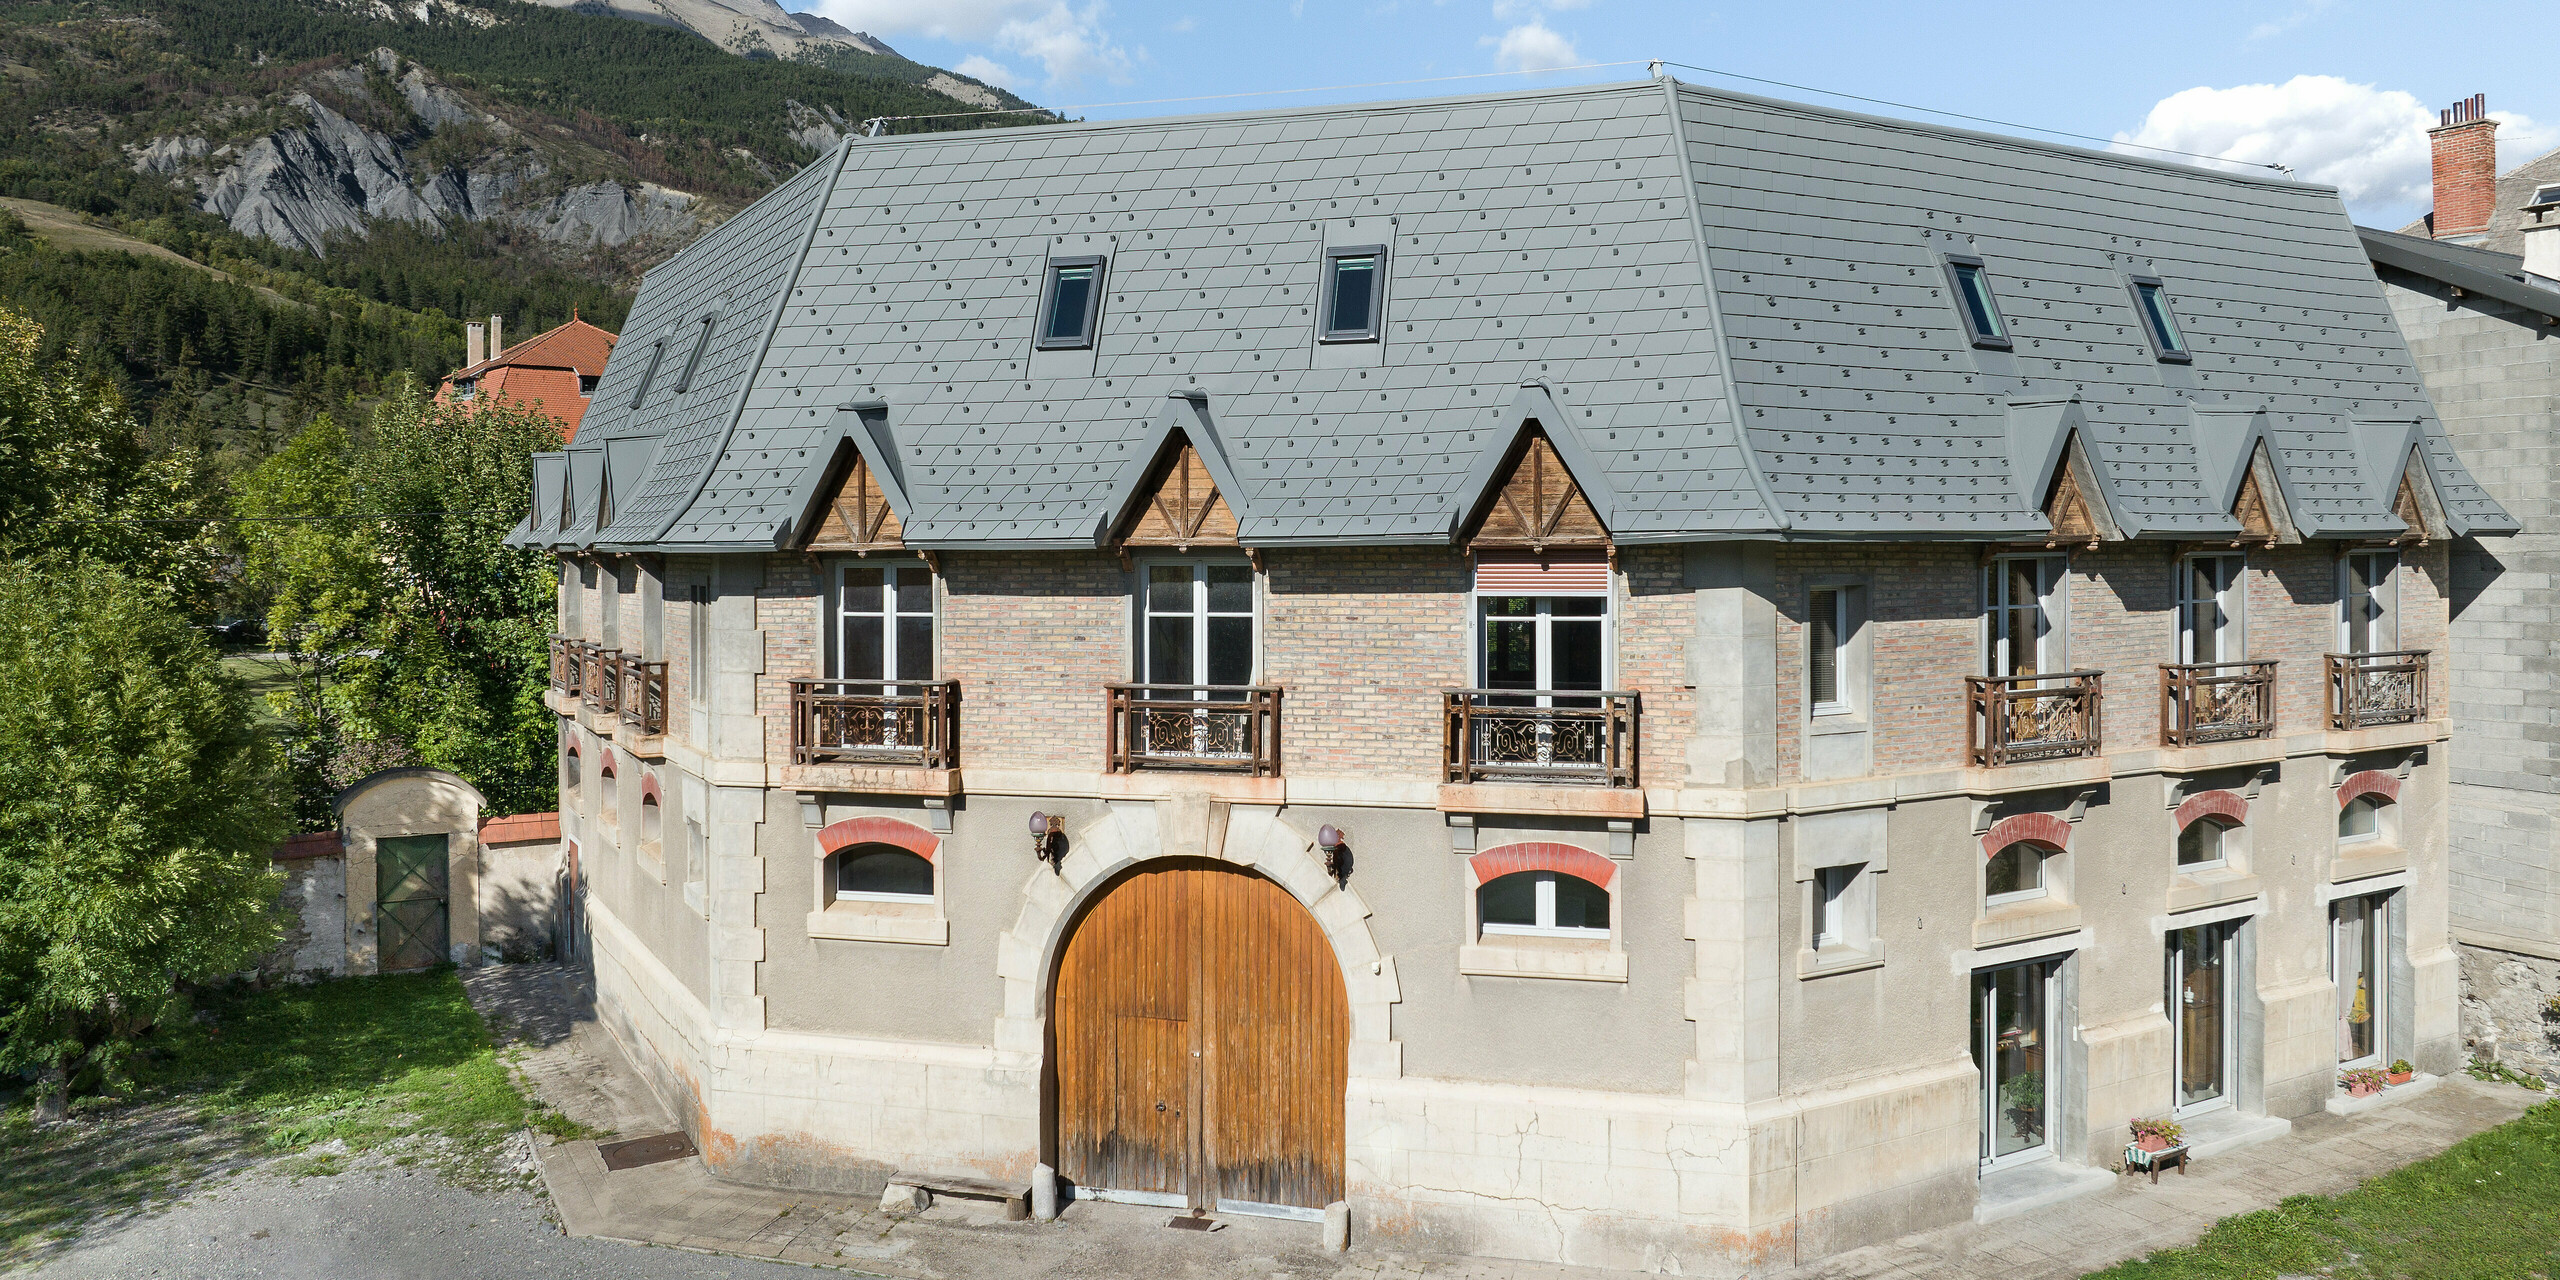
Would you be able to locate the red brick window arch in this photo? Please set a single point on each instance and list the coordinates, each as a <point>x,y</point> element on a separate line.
<point>2207,823</point>
<point>651,819</point>
<point>2015,851</point>
<point>1543,889</point>
<point>882,860</point>
<point>2367,807</point>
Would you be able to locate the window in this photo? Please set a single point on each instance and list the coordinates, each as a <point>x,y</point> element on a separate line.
<point>1838,919</point>
<point>2356,952</point>
<point>2366,621</point>
<point>1826,640</point>
<point>1199,625</point>
<point>2024,597</point>
<point>1544,904</point>
<point>465,388</point>
<point>2201,844</point>
<point>1355,292</point>
<point>2209,590</point>
<point>608,801</point>
<point>882,873</point>
<point>2361,818</point>
<point>2544,196</point>
<point>884,623</point>
<point>1542,646</point>
<point>572,775</point>
<point>697,620</point>
<point>649,372</point>
<point>1070,302</point>
<point>1974,302</point>
<point>2014,873</point>
<point>586,385</point>
<point>2151,298</point>
<point>693,363</point>
<point>650,820</point>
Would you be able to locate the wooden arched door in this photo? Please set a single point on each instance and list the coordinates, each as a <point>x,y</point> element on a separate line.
<point>1200,1039</point>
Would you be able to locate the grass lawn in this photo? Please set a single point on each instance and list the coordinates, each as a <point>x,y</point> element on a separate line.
<point>2486,1209</point>
<point>264,676</point>
<point>400,1066</point>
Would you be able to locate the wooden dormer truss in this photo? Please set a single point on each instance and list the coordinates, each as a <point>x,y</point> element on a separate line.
<point>1179,507</point>
<point>858,517</point>
<point>2066,509</point>
<point>1537,506</point>
<point>2257,522</point>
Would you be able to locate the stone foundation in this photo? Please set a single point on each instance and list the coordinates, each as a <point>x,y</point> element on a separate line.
<point>2511,1009</point>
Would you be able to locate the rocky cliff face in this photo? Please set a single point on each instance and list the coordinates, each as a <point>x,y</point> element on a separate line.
<point>299,186</point>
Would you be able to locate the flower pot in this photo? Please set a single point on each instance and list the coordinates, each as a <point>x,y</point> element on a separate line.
<point>2361,1090</point>
<point>2402,1077</point>
<point>2152,1142</point>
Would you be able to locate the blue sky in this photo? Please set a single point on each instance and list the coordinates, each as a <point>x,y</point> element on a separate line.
<point>2339,89</point>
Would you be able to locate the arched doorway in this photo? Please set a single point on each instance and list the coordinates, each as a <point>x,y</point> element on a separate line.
<point>1199,1037</point>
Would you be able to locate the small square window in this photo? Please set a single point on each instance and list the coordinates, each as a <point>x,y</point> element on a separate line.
<point>2151,298</point>
<point>1832,925</point>
<point>1976,303</point>
<point>2014,873</point>
<point>1355,292</point>
<point>2201,844</point>
<point>1071,300</point>
<point>586,385</point>
<point>2361,818</point>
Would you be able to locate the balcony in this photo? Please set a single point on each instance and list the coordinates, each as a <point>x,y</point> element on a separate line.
<point>2369,689</point>
<point>1214,729</point>
<point>600,671</point>
<point>910,723</point>
<point>565,654</point>
<point>644,693</point>
<point>2205,702</point>
<point>2018,719</point>
<point>1585,739</point>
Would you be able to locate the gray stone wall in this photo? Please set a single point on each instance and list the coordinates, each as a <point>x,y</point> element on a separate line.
<point>2493,371</point>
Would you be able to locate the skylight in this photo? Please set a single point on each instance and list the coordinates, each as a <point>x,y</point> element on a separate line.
<point>2544,196</point>
<point>1072,301</point>
<point>1976,303</point>
<point>2151,298</point>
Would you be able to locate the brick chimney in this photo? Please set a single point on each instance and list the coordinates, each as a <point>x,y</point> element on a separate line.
<point>498,341</point>
<point>2466,153</point>
<point>475,343</point>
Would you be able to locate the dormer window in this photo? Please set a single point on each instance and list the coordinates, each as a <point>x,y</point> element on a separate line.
<point>1975,302</point>
<point>649,372</point>
<point>1355,292</point>
<point>586,385</point>
<point>701,343</point>
<point>465,388</point>
<point>2151,298</point>
<point>1070,303</point>
<point>2544,197</point>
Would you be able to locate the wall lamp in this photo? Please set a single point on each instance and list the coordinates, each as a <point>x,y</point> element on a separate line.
<point>1337,851</point>
<point>1048,838</point>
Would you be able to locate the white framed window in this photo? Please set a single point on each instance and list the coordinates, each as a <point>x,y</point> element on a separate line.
<point>1537,647</point>
<point>1831,627</point>
<point>884,622</point>
<point>2210,609</point>
<point>1843,909</point>
<point>2206,842</point>
<point>2023,597</point>
<point>2363,818</point>
<point>2358,947</point>
<point>1542,904</point>
<point>2015,874</point>
<point>882,873</point>
<point>2368,602</point>
<point>1198,629</point>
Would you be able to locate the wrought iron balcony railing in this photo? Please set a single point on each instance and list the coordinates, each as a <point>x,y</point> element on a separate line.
<point>644,693</point>
<point>2368,689</point>
<point>564,664</point>
<point>1221,728</point>
<point>1539,735</point>
<point>903,722</point>
<point>2016,719</point>
<point>2203,702</point>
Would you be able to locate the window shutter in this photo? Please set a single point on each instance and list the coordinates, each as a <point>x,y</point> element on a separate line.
<point>1529,573</point>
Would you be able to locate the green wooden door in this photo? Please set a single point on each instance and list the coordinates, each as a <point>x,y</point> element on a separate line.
<point>409,900</point>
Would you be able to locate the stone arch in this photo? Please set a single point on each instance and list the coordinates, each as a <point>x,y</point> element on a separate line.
<point>1542,855</point>
<point>2220,804</point>
<point>836,837</point>
<point>2035,828</point>
<point>1126,834</point>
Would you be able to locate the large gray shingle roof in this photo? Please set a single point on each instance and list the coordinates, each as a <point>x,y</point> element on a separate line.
<point>1729,312</point>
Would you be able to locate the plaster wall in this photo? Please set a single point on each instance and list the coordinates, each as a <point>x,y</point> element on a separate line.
<point>407,802</point>
<point>314,900</point>
<point>519,892</point>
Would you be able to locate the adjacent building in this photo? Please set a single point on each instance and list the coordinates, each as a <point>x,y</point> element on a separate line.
<point>2480,303</point>
<point>556,369</point>
<point>1626,675</point>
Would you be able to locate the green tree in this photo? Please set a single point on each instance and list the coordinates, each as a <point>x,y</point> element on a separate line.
<point>421,633</point>
<point>141,813</point>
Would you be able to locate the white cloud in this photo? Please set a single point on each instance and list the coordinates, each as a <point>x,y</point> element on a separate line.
<point>986,70</point>
<point>1070,44</point>
<point>1532,47</point>
<point>2368,142</point>
<point>2301,14</point>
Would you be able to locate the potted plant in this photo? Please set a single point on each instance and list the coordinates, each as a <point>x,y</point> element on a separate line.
<point>2402,1072</point>
<point>2157,1135</point>
<point>2364,1082</point>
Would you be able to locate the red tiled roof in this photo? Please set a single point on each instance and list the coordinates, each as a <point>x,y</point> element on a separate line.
<point>545,368</point>
<point>521,828</point>
<point>318,844</point>
<point>575,345</point>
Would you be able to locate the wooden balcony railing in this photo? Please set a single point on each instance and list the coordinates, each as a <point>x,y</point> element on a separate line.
<point>1503,735</point>
<point>2367,689</point>
<point>2015,719</point>
<point>564,664</point>
<point>644,693</point>
<point>905,722</point>
<point>1220,728</point>
<point>2203,702</point>
<point>600,670</point>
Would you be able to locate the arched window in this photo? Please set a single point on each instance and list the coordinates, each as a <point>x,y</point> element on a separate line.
<point>649,819</point>
<point>882,873</point>
<point>2362,818</point>
<point>1543,904</point>
<point>608,788</point>
<point>2201,843</point>
<point>2017,871</point>
<point>572,774</point>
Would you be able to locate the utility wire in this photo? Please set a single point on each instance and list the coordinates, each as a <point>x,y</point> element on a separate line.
<point>384,515</point>
<point>1249,93</point>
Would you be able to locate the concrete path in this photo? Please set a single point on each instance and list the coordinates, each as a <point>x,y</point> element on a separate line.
<point>680,1204</point>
